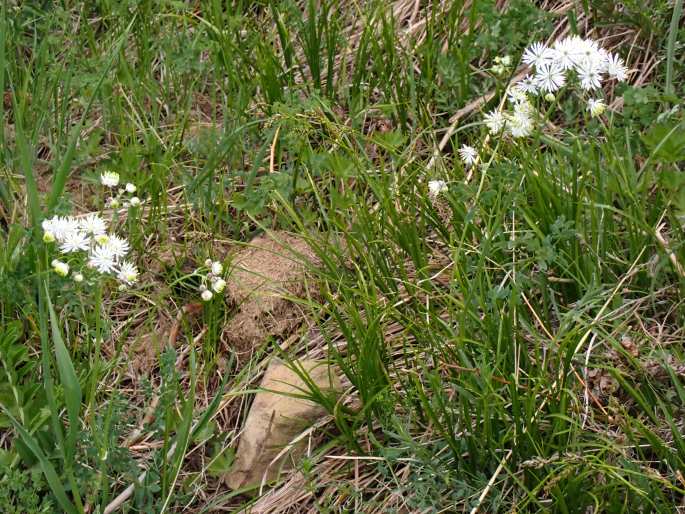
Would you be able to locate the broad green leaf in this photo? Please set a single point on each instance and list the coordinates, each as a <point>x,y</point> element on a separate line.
<point>67,374</point>
<point>666,142</point>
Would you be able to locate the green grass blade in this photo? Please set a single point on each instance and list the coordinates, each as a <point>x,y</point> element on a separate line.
<point>3,68</point>
<point>670,44</point>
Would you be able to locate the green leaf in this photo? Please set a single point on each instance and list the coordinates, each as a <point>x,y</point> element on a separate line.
<point>68,378</point>
<point>666,142</point>
<point>47,468</point>
<point>222,462</point>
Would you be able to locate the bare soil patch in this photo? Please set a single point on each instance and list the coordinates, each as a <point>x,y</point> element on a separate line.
<point>266,281</point>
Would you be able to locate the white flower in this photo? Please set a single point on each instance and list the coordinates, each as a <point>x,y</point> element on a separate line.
<point>590,75</point>
<point>565,53</point>
<point>588,53</point>
<point>435,187</point>
<point>495,121</point>
<point>60,226</point>
<point>577,50</point>
<point>538,55</point>
<point>128,273</point>
<point>135,201</point>
<point>109,179</point>
<point>602,59</point>
<point>131,188</point>
<point>550,77</point>
<point>93,224</point>
<point>520,124</point>
<point>78,277</point>
<point>48,224</point>
<point>516,95</point>
<point>596,107</point>
<point>117,246</point>
<point>219,285</point>
<point>524,108</point>
<point>75,241</point>
<point>217,268</point>
<point>615,68</point>
<point>206,295</point>
<point>61,268</point>
<point>102,259</point>
<point>468,155</point>
<point>527,85</point>
<point>101,239</point>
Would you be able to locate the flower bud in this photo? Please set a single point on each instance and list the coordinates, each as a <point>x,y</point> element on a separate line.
<point>78,277</point>
<point>498,69</point>
<point>206,295</point>
<point>61,268</point>
<point>131,188</point>
<point>219,285</point>
<point>217,268</point>
<point>48,237</point>
<point>596,107</point>
<point>135,201</point>
<point>109,179</point>
<point>550,97</point>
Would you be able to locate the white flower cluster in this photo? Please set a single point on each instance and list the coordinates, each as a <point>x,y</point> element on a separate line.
<point>213,277</point>
<point>584,57</point>
<point>519,122</point>
<point>554,67</point>
<point>110,179</point>
<point>105,252</point>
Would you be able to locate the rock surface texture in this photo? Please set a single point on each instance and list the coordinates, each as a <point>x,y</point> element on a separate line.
<point>264,278</point>
<point>277,417</point>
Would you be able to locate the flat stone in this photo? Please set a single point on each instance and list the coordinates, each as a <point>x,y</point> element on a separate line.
<point>276,418</point>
